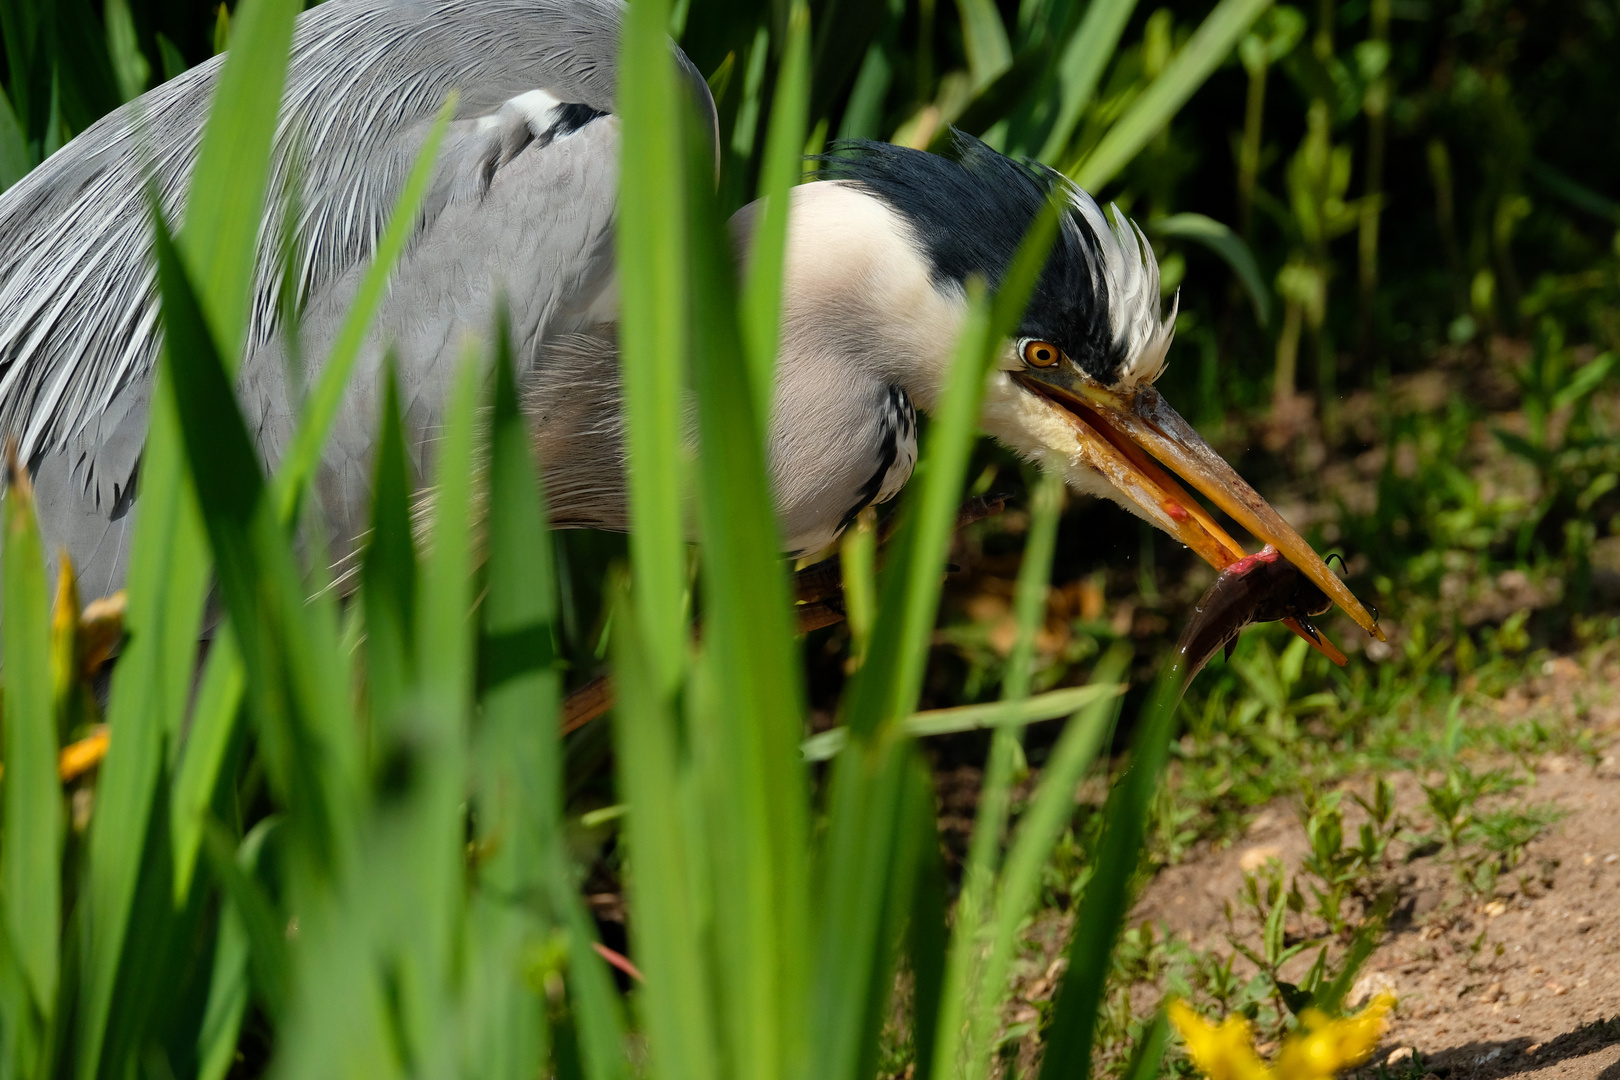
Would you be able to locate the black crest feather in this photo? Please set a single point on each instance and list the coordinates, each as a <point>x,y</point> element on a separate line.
<point>969,208</point>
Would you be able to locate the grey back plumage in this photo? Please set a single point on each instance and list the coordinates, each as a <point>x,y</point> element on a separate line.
<point>522,204</point>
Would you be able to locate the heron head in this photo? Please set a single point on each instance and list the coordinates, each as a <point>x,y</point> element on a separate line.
<point>1074,390</point>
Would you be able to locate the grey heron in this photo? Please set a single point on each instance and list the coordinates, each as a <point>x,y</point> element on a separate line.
<point>522,207</point>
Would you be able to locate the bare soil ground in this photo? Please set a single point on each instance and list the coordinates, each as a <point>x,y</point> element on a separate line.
<point>1523,983</point>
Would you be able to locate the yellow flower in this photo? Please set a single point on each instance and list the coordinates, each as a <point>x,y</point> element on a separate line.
<point>1321,1048</point>
<point>1221,1053</point>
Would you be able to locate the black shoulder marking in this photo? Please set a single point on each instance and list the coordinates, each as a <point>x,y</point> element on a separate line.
<point>569,118</point>
<point>898,421</point>
<point>970,208</point>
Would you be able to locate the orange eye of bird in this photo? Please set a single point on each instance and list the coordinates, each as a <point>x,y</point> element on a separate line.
<point>1041,353</point>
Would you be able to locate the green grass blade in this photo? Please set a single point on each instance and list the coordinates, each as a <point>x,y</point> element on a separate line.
<point>866,810</point>
<point>746,746</point>
<point>858,561</point>
<point>929,937</point>
<point>130,67</point>
<point>598,1014</point>
<point>1042,825</point>
<point>521,688</point>
<point>1144,1064</point>
<point>14,159</point>
<point>519,776</point>
<point>886,689</point>
<point>262,929</point>
<point>782,168</point>
<point>992,714</point>
<point>169,566</point>
<point>1034,583</point>
<point>228,986</point>
<point>174,62</point>
<point>865,802</point>
<point>225,204</point>
<point>1210,44</point>
<point>652,332</point>
<point>168,578</point>
<point>288,647</point>
<point>667,931</point>
<point>1572,191</point>
<point>388,573</point>
<point>865,806</point>
<point>961,995</point>
<point>31,795</point>
<point>1080,68</point>
<point>21,1033</point>
<point>864,112</point>
<point>1227,244</point>
<point>425,872</point>
<point>304,452</point>
<point>213,727</point>
<point>444,640</point>
<point>984,38</point>
<point>1107,898</point>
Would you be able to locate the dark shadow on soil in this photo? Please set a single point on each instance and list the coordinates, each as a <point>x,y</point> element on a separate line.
<point>1508,1057</point>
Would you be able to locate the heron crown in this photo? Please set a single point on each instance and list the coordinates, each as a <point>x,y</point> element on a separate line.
<point>968,209</point>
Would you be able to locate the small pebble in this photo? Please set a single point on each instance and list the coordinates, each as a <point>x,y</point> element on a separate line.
<point>1556,990</point>
<point>1495,908</point>
<point>1398,1055</point>
<point>1492,993</point>
<point>1518,997</point>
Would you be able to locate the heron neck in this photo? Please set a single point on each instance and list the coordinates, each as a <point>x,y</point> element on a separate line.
<point>859,299</point>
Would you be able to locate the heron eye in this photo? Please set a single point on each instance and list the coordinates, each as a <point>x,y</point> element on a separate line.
<point>1041,353</point>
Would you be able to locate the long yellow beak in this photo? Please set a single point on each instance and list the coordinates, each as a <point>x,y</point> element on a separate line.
<point>1132,438</point>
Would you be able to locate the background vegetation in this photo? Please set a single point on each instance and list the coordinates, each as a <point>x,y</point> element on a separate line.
<point>1392,225</point>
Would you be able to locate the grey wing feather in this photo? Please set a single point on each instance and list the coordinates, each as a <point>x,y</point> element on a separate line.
<point>78,316</point>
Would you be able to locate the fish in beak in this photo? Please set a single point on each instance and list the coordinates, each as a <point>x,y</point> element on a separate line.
<point>1141,446</point>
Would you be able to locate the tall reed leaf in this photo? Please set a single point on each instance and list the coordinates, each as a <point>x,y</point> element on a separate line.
<point>424,836</point>
<point>748,714</point>
<point>670,925</point>
<point>169,565</point>
<point>1210,44</point>
<point>286,645</point>
<point>886,689</point>
<point>304,453</point>
<point>31,831</point>
<point>213,730</point>
<point>225,201</point>
<point>984,37</point>
<point>1018,889</point>
<point>984,849</point>
<point>14,159</point>
<point>228,984</point>
<point>652,330</point>
<point>780,171</point>
<point>861,871</point>
<point>1107,897</point>
<point>1080,67</point>
<point>1229,246</point>
<point>388,573</point>
<point>521,769</point>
